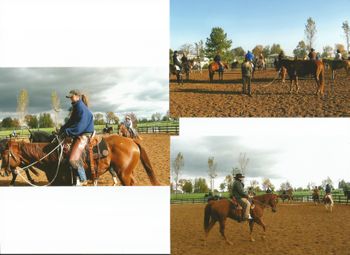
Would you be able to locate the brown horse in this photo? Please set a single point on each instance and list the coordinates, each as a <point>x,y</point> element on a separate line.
<point>123,131</point>
<point>337,65</point>
<point>215,67</point>
<point>123,156</point>
<point>316,197</point>
<point>220,210</point>
<point>299,68</point>
<point>286,197</point>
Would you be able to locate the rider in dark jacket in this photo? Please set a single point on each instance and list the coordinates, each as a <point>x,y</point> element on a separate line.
<point>240,195</point>
<point>80,126</point>
<point>176,60</point>
<point>217,59</point>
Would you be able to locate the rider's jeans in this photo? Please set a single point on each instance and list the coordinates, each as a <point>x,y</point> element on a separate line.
<point>82,174</point>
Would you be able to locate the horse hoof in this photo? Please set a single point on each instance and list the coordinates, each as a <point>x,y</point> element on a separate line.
<point>263,237</point>
<point>229,243</point>
<point>252,240</point>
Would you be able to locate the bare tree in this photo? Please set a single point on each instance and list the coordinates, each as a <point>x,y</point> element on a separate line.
<point>186,48</point>
<point>327,181</point>
<point>212,171</point>
<point>56,106</point>
<point>22,105</point>
<point>346,29</point>
<point>243,162</point>
<point>178,164</point>
<point>310,32</point>
<point>266,183</point>
<point>112,118</point>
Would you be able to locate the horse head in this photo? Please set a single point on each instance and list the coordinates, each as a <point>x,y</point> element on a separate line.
<point>272,202</point>
<point>9,158</point>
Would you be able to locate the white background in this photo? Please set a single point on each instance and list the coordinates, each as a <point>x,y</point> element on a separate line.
<point>39,33</point>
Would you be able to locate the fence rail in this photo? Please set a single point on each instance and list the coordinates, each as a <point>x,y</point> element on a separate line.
<point>169,129</point>
<point>339,199</point>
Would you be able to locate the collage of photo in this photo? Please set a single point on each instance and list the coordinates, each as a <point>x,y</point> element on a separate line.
<point>229,119</point>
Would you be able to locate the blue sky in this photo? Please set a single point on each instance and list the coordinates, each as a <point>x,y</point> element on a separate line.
<point>251,22</point>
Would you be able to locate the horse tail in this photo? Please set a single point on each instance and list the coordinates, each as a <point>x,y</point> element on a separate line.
<point>207,216</point>
<point>147,165</point>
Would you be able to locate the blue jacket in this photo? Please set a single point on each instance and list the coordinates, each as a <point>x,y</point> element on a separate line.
<point>249,56</point>
<point>81,120</point>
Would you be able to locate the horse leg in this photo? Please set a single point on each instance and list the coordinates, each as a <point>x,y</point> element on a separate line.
<point>262,224</point>
<point>222,222</point>
<point>14,176</point>
<point>291,86</point>
<point>30,179</point>
<point>211,225</point>
<point>297,84</point>
<point>114,176</point>
<point>251,226</point>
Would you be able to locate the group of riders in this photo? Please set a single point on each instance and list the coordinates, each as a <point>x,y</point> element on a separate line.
<point>247,66</point>
<point>244,198</point>
<point>80,127</point>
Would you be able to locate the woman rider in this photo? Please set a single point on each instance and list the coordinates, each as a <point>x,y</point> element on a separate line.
<point>80,127</point>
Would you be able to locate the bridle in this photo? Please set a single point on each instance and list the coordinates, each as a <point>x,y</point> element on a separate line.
<point>59,148</point>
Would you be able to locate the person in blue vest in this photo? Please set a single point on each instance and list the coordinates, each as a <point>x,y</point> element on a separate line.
<point>80,127</point>
<point>249,56</point>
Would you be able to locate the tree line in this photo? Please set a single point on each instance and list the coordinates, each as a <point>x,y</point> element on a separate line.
<point>46,120</point>
<point>218,43</point>
<point>200,184</point>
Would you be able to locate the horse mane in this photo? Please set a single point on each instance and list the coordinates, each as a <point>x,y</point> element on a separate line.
<point>36,150</point>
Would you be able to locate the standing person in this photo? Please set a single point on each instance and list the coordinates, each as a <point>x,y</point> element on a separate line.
<point>241,196</point>
<point>329,193</point>
<point>184,59</point>
<point>312,54</point>
<point>249,56</point>
<point>80,127</point>
<point>247,70</point>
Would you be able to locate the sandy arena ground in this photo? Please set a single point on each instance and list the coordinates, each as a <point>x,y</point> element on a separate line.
<point>294,229</point>
<point>157,147</point>
<point>199,98</point>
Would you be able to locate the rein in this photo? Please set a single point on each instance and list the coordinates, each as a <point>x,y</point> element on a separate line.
<point>39,160</point>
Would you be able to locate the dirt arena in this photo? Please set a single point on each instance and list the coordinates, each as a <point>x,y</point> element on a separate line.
<point>294,229</point>
<point>199,98</point>
<point>157,147</point>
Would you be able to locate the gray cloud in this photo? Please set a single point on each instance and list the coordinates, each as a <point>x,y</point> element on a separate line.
<point>140,90</point>
<point>226,151</point>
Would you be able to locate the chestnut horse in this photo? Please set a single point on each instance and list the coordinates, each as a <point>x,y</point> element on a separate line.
<point>123,156</point>
<point>220,210</point>
<point>123,131</point>
<point>214,67</point>
<point>338,64</point>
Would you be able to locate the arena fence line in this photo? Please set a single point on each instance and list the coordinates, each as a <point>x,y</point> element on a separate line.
<point>338,199</point>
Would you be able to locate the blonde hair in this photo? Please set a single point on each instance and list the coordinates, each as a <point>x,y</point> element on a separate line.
<point>85,100</point>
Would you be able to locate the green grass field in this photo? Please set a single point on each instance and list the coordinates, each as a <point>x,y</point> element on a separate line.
<point>226,194</point>
<point>23,132</point>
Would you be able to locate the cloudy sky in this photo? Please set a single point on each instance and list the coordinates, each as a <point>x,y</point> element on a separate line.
<point>299,160</point>
<point>140,90</point>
